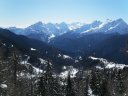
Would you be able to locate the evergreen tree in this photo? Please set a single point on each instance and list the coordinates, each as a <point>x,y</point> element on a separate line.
<point>41,87</point>
<point>69,88</point>
<point>98,83</point>
<point>119,80</point>
<point>48,84</point>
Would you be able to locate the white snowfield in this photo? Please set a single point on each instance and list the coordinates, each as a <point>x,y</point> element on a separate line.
<point>108,64</point>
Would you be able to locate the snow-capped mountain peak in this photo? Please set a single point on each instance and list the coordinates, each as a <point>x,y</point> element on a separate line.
<point>37,26</point>
<point>118,26</point>
<point>75,25</point>
<point>51,30</point>
<point>110,26</point>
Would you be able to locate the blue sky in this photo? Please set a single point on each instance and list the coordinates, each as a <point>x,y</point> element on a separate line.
<point>25,12</point>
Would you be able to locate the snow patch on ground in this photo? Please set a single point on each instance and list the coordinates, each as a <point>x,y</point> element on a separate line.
<point>66,57</point>
<point>24,62</point>
<point>90,91</point>
<point>80,58</point>
<point>108,64</point>
<point>76,61</point>
<point>99,67</point>
<point>72,71</point>
<point>93,58</point>
<point>59,55</point>
<point>3,86</point>
<point>42,61</point>
<point>64,67</point>
<point>32,49</point>
<point>37,70</point>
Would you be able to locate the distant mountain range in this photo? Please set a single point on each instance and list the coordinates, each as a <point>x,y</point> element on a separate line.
<point>45,32</point>
<point>100,39</point>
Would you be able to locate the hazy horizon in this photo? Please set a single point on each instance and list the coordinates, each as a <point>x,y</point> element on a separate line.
<point>22,13</point>
<point>27,25</point>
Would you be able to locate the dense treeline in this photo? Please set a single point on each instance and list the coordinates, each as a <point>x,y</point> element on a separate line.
<point>17,79</point>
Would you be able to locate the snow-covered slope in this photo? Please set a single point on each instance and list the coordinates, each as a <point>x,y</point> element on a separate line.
<point>66,70</point>
<point>107,64</point>
<point>110,26</point>
<point>75,25</point>
<point>46,32</point>
<point>42,31</point>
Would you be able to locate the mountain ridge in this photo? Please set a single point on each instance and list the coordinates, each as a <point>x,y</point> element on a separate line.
<point>46,32</point>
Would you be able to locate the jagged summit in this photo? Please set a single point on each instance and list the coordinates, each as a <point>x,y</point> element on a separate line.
<point>46,32</point>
